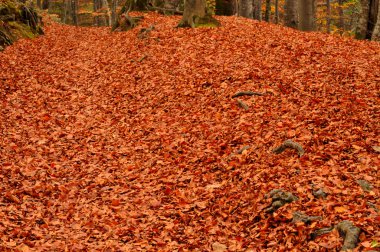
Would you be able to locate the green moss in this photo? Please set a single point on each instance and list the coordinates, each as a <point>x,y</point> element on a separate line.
<point>20,30</point>
<point>17,21</point>
<point>207,21</point>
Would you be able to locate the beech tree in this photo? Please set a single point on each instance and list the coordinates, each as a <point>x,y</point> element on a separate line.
<point>306,15</point>
<point>245,8</point>
<point>368,21</point>
<point>257,14</point>
<point>376,30</point>
<point>197,14</point>
<point>291,18</point>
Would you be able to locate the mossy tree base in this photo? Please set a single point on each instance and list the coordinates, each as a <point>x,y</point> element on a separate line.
<point>17,21</point>
<point>196,21</point>
<point>196,14</point>
<point>125,22</point>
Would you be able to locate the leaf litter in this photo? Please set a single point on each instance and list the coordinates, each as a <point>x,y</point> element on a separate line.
<point>109,141</point>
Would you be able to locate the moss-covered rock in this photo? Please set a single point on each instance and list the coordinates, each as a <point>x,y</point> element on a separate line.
<point>17,21</point>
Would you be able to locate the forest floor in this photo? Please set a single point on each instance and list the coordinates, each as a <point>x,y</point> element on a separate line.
<point>133,142</point>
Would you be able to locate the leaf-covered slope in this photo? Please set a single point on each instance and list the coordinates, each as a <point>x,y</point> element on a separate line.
<point>115,141</point>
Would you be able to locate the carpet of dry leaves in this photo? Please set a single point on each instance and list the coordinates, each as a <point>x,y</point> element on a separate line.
<point>119,142</point>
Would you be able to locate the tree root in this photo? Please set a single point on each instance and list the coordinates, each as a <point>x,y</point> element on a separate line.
<point>279,199</point>
<point>320,232</point>
<point>242,104</point>
<point>347,231</point>
<point>248,93</point>
<point>289,144</point>
<point>144,32</point>
<point>301,217</point>
<point>350,234</point>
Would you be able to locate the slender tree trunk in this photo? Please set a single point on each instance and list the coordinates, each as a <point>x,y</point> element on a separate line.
<point>257,10</point>
<point>306,15</point>
<point>291,18</point>
<point>45,4</point>
<point>113,12</point>
<point>276,16</point>
<point>376,30</point>
<point>328,16</point>
<point>267,10</point>
<point>39,5</point>
<point>341,16</point>
<point>361,30</point>
<point>74,12</point>
<point>246,8</point>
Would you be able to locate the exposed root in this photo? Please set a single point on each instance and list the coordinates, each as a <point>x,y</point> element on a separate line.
<point>144,32</point>
<point>301,217</point>
<point>248,93</point>
<point>290,144</point>
<point>350,234</point>
<point>320,232</point>
<point>279,199</point>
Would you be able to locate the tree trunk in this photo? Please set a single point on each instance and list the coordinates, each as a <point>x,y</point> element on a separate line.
<point>291,18</point>
<point>257,7</point>
<point>101,9</point>
<point>361,30</point>
<point>276,15</point>
<point>113,12</point>
<point>39,5</point>
<point>224,8</point>
<point>328,16</point>
<point>376,30</point>
<point>246,8</point>
<point>195,15</point>
<point>306,15</point>
<point>74,12</point>
<point>341,16</point>
<point>267,10</point>
<point>45,4</point>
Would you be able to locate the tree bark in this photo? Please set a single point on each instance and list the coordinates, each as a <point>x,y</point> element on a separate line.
<point>341,16</point>
<point>224,8</point>
<point>74,12</point>
<point>196,14</point>
<point>361,30</point>
<point>257,10</point>
<point>291,18</point>
<point>45,4</point>
<point>276,15</point>
<point>328,16</point>
<point>267,10</point>
<point>246,8</point>
<point>306,15</point>
<point>113,12</point>
<point>376,30</point>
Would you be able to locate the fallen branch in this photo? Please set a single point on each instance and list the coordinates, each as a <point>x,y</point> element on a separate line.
<point>289,144</point>
<point>248,93</point>
<point>142,58</point>
<point>242,104</point>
